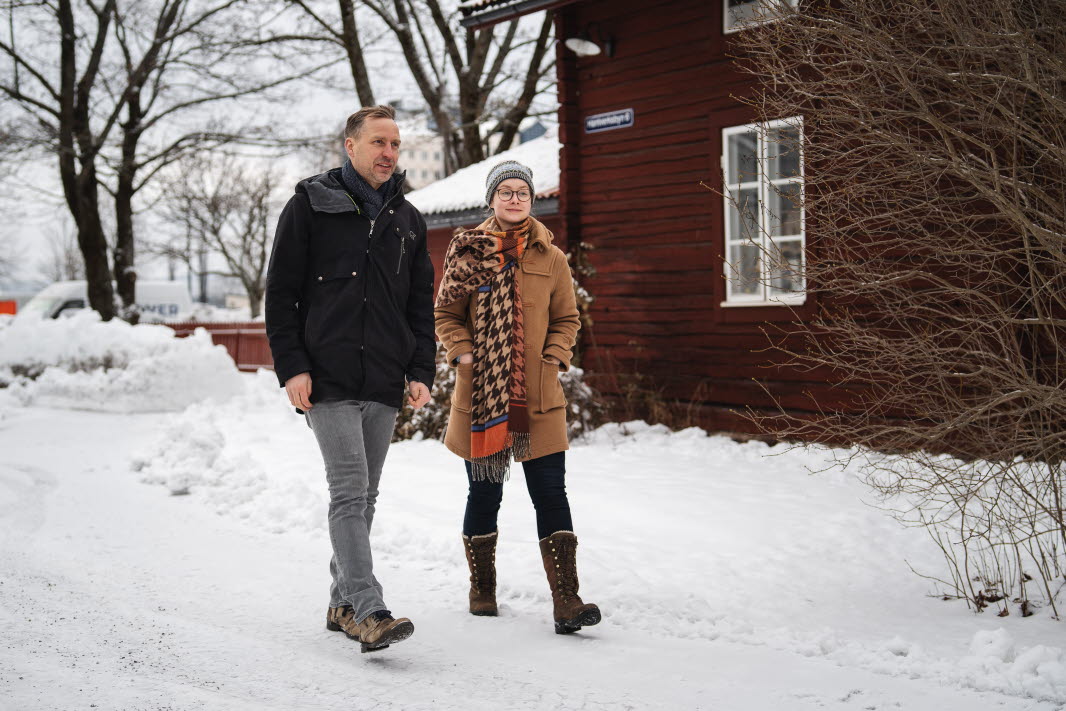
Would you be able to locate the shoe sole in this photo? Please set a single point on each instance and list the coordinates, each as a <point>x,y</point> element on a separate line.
<point>485,613</point>
<point>397,634</point>
<point>585,619</point>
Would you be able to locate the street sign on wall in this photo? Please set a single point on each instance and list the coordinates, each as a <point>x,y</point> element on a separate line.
<point>622,118</point>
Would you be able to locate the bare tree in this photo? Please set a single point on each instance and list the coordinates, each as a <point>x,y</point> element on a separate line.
<point>935,146</point>
<point>11,257</point>
<point>220,207</point>
<point>466,77</point>
<point>119,70</point>
<point>64,261</point>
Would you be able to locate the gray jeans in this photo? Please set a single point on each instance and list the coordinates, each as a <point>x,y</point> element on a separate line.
<point>354,437</point>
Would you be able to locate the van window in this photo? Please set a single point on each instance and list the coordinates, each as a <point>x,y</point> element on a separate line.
<point>70,306</point>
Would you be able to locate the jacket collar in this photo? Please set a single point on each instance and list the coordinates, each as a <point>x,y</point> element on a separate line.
<point>326,192</point>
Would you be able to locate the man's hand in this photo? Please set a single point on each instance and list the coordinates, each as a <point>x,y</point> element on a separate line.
<point>298,388</point>
<point>419,394</point>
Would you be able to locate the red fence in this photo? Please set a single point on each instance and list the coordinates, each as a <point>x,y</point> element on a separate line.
<point>246,342</point>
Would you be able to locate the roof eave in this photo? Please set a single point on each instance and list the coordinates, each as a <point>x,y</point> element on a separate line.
<point>511,11</point>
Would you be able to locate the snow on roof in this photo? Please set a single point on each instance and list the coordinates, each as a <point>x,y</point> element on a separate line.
<point>465,188</point>
<point>501,7</point>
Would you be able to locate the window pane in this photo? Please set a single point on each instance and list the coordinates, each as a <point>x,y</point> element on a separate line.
<point>786,267</point>
<point>742,162</point>
<point>785,210</point>
<point>739,11</point>
<point>744,269</point>
<point>743,215</point>
<point>782,153</point>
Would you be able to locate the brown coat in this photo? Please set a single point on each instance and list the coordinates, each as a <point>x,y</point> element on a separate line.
<point>549,308</point>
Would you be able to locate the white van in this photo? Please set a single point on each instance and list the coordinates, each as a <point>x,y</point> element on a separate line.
<point>157,301</point>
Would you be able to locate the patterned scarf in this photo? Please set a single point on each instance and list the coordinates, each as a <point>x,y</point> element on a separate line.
<point>483,262</point>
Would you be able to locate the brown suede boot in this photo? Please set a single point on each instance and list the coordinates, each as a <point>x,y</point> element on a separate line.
<point>376,632</point>
<point>559,552</point>
<point>481,559</point>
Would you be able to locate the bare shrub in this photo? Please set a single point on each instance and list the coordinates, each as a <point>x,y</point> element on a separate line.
<point>935,199</point>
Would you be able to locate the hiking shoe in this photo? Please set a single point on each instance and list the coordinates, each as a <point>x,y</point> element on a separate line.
<point>376,632</point>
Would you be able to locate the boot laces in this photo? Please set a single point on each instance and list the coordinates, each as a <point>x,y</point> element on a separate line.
<point>485,569</point>
<point>567,573</point>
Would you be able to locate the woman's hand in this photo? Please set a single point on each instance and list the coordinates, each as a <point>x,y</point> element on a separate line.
<point>466,359</point>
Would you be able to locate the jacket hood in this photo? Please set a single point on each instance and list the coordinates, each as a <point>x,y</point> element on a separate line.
<point>327,193</point>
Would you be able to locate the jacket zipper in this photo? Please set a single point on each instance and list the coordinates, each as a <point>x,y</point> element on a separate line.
<point>373,221</point>
<point>403,246</point>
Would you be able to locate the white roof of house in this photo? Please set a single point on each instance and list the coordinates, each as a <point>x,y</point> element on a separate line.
<point>465,188</point>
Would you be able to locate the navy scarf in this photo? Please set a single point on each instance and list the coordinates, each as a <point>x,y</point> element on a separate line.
<point>371,199</point>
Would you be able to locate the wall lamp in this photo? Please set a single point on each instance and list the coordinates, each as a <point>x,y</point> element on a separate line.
<point>585,46</point>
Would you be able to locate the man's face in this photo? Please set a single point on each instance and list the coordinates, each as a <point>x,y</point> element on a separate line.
<point>375,151</point>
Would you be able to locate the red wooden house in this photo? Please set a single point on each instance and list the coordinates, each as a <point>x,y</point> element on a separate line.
<point>684,284</point>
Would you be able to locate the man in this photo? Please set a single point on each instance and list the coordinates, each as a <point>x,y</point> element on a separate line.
<point>349,315</point>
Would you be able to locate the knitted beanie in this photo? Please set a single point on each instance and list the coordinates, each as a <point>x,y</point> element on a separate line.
<point>501,172</point>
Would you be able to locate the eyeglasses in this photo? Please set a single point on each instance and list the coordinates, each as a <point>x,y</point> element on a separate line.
<point>505,194</point>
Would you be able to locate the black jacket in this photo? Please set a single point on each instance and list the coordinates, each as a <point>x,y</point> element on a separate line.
<point>350,304</point>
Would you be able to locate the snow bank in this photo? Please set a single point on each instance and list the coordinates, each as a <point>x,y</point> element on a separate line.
<point>240,471</point>
<point>84,363</point>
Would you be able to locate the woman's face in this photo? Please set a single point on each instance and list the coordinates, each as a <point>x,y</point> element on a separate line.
<point>511,212</point>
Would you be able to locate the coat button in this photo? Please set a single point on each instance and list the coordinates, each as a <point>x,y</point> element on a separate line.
<point>320,278</point>
<point>390,212</point>
<point>353,274</point>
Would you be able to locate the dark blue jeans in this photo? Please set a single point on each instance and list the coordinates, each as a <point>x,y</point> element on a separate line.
<point>546,482</point>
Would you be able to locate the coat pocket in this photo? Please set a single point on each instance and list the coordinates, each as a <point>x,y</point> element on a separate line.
<point>551,390</point>
<point>464,382</point>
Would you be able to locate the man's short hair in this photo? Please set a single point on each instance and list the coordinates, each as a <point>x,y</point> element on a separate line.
<point>355,122</point>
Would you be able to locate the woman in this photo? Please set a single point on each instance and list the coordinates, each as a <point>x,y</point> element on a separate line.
<point>507,315</point>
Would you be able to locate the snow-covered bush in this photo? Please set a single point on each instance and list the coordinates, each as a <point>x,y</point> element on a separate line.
<point>584,410</point>
<point>84,363</point>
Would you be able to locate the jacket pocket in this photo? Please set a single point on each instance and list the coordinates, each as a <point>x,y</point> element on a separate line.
<point>334,273</point>
<point>464,384</point>
<point>551,390</point>
<point>325,301</point>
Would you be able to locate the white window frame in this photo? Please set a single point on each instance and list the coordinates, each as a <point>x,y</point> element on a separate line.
<point>728,28</point>
<point>765,186</point>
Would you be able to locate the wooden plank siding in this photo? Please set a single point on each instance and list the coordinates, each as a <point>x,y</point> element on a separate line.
<point>657,235</point>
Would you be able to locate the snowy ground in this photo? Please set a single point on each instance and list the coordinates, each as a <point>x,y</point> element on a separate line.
<point>730,576</point>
